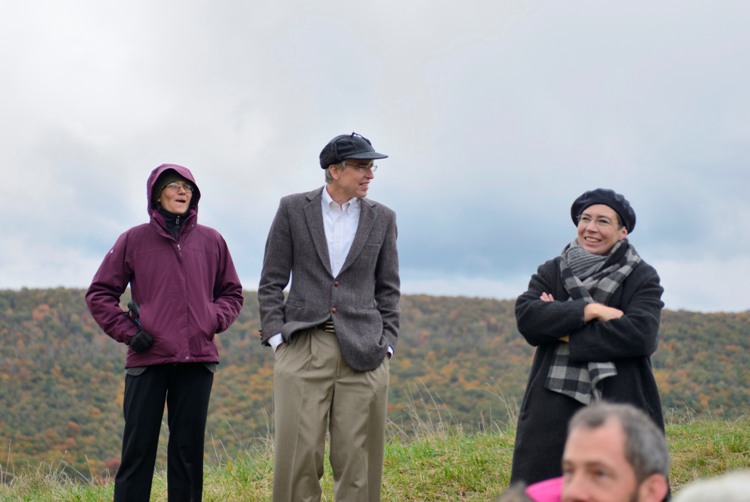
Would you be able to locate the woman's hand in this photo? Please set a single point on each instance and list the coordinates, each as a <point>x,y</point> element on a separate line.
<point>599,312</point>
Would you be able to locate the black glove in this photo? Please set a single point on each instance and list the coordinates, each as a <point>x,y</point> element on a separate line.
<point>141,341</point>
<point>133,309</point>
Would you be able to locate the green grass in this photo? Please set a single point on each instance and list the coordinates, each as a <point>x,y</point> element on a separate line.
<point>436,463</point>
<point>707,448</point>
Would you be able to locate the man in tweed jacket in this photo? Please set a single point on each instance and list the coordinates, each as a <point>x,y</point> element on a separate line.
<point>334,334</point>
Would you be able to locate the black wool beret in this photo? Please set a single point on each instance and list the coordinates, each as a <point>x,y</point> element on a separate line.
<point>609,198</point>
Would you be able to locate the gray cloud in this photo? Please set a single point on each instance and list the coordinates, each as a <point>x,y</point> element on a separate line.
<point>496,116</point>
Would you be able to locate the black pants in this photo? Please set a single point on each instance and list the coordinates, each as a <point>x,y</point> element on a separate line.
<point>186,388</point>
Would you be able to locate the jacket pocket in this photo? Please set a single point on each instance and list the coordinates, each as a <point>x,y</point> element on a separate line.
<point>199,346</point>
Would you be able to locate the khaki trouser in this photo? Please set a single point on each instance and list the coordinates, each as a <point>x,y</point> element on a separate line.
<point>315,390</point>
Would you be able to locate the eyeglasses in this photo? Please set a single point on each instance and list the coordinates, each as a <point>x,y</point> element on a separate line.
<point>362,169</point>
<point>178,186</point>
<point>600,221</point>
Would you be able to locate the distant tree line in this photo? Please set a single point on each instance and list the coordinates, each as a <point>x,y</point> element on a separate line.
<point>460,359</point>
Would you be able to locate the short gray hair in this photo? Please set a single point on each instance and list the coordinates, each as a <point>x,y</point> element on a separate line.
<point>339,166</point>
<point>645,445</point>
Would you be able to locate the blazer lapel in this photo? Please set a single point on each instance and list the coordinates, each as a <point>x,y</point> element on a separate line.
<point>314,217</point>
<point>367,217</point>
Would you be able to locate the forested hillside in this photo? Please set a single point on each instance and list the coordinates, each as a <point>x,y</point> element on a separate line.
<point>459,359</point>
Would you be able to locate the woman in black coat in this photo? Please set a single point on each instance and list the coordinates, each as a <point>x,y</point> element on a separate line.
<point>593,315</point>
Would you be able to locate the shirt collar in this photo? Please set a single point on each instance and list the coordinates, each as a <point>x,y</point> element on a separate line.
<point>350,204</point>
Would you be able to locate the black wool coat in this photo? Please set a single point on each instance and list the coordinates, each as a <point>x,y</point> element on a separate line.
<point>628,341</point>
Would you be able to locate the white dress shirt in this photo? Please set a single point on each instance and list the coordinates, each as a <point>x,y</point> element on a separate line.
<point>340,222</point>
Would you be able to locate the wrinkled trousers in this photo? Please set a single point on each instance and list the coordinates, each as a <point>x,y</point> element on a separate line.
<point>317,392</point>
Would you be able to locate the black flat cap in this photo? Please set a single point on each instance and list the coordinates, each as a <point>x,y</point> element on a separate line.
<point>348,146</point>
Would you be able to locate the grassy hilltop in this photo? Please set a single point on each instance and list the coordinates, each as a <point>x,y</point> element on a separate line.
<point>440,462</point>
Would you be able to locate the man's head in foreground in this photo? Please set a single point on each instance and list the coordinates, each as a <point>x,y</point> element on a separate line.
<point>614,452</point>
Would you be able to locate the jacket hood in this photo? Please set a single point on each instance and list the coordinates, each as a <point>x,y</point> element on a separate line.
<point>182,171</point>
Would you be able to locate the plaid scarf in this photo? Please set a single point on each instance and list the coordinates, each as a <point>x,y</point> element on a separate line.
<point>586,278</point>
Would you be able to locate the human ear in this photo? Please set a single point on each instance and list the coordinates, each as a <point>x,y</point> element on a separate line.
<point>653,489</point>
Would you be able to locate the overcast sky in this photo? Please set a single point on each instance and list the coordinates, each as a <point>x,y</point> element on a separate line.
<point>496,115</point>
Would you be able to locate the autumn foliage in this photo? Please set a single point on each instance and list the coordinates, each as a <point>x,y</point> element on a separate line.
<point>460,359</point>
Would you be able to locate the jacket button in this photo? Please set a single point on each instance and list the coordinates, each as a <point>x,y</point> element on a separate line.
<point>336,284</point>
<point>333,310</point>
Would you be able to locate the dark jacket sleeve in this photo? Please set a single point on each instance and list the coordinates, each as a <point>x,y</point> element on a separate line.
<point>635,334</point>
<point>275,274</point>
<point>545,322</point>
<point>228,297</point>
<point>388,284</point>
<point>108,285</point>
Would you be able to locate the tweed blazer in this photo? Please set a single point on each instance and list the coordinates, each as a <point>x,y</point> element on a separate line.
<point>362,300</point>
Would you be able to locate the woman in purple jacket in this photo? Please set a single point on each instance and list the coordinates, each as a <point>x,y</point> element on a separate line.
<point>185,289</point>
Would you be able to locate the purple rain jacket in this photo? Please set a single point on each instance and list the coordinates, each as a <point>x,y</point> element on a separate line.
<point>187,289</point>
